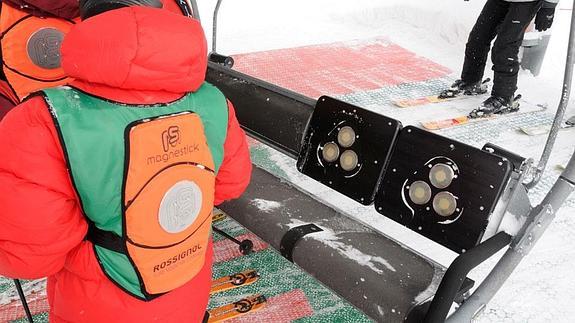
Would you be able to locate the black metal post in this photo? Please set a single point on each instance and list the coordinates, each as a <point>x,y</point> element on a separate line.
<point>23,300</point>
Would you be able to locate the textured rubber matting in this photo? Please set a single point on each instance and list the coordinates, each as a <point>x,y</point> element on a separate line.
<point>285,285</point>
<point>293,296</point>
<point>339,68</point>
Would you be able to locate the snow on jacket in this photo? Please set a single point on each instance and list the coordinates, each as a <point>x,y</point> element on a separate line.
<point>156,56</point>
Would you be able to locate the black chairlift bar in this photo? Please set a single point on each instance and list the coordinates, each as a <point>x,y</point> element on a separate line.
<point>458,271</point>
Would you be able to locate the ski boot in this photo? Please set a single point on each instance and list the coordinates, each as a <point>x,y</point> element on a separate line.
<point>460,87</point>
<point>495,105</point>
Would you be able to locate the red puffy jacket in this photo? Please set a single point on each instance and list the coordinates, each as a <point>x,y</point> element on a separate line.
<point>131,55</point>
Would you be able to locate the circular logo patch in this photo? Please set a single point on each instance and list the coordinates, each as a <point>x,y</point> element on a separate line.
<point>180,206</point>
<point>44,48</point>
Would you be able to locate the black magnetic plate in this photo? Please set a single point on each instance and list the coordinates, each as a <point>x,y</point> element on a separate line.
<point>375,137</point>
<point>481,177</point>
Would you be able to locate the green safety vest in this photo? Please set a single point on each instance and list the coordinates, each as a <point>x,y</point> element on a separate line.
<point>145,176</point>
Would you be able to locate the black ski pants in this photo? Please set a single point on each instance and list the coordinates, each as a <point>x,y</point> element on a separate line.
<point>507,21</point>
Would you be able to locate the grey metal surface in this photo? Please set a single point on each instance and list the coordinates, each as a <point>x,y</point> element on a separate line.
<point>195,10</point>
<point>373,272</point>
<point>566,91</point>
<point>534,53</point>
<point>513,200</point>
<point>215,26</point>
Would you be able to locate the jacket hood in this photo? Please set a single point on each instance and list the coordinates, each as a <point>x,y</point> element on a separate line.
<point>67,9</point>
<point>137,48</point>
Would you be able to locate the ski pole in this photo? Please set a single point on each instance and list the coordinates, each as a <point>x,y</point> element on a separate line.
<point>23,300</point>
<point>246,246</point>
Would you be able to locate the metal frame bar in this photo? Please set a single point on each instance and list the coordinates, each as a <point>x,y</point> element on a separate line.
<point>457,272</point>
<point>195,10</point>
<point>215,26</point>
<point>567,81</point>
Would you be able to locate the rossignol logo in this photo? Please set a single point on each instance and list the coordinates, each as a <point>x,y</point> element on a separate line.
<point>175,260</point>
<point>172,147</point>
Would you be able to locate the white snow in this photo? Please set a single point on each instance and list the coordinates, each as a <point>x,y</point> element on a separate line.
<point>329,238</point>
<point>511,224</point>
<point>295,223</point>
<point>266,205</point>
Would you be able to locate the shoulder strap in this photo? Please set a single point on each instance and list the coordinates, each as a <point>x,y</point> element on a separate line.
<point>105,239</point>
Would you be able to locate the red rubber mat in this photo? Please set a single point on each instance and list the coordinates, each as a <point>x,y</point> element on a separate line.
<point>339,68</point>
<point>225,250</point>
<point>38,303</point>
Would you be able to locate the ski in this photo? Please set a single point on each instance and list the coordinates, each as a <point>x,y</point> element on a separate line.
<point>218,215</point>
<point>466,119</point>
<point>244,278</point>
<point>407,103</point>
<point>246,305</point>
<point>432,99</point>
<point>544,129</point>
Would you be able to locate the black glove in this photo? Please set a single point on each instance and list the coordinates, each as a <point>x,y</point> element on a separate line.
<point>544,18</point>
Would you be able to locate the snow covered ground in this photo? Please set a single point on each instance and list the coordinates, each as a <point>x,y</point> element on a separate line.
<point>542,288</point>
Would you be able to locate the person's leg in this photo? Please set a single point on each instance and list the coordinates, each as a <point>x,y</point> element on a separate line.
<point>506,47</point>
<point>480,38</point>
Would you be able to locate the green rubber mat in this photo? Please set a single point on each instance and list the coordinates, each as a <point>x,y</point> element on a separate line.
<point>293,295</point>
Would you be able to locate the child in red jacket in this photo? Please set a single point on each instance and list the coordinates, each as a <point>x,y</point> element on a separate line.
<point>107,185</point>
<point>32,31</point>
